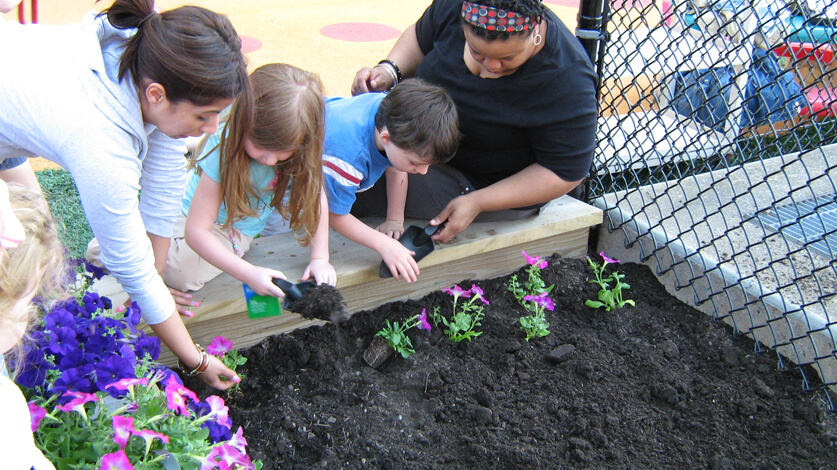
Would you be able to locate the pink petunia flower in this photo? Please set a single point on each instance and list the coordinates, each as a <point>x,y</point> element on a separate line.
<point>150,435</point>
<point>534,260</point>
<point>422,321</point>
<point>225,456</point>
<point>123,427</point>
<point>36,414</point>
<point>116,461</point>
<point>542,299</point>
<point>219,410</point>
<point>477,291</point>
<point>457,292</point>
<point>238,441</point>
<point>77,403</point>
<point>127,382</point>
<point>219,346</point>
<point>608,260</point>
<point>176,395</point>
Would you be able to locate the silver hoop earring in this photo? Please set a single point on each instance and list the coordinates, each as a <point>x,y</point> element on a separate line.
<point>537,39</point>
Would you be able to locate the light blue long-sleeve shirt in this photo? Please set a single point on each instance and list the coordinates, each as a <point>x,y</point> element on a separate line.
<point>60,99</point>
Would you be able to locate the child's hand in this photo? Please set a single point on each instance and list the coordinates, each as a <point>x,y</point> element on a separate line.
<point>392,228</point>
<point>400,261</point>
<point>261,281</point>
<point>322,271</point>
<point>183,302</point>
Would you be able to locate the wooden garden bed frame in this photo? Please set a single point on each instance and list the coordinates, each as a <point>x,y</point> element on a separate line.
<point>483,251</point>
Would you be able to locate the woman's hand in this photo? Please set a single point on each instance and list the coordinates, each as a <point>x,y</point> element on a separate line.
<point>322,271</point>
<point>371,79</point>
<point>183,302</point>
<point>399,260</point>
<point>218,375</point>
<point>459,213</point>
<point>261,281</point>
<point>392,228</point>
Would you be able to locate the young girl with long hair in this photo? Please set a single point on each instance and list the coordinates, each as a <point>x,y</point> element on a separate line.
<point>31,263</point>
<point>243,172</point>
<point>110,100</point>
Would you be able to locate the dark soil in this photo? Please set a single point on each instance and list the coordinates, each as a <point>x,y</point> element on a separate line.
<point>656,386</point>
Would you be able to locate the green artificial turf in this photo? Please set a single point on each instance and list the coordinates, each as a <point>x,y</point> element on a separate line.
<point>62,196</point>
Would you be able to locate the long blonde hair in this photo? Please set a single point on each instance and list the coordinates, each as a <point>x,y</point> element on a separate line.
<point>289,114</point>
<point>37,264</point>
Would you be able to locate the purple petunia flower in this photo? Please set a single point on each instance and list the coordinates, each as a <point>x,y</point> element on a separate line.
<point>608,260</point>
<point>542,299</point>
<point>34,367</point>
<point>133,317</point>
<point>534,260</point>
<point>219,346</point>
<point>457,292</point>
<point>95,271</point>
<point>116,461</point>
<point>422,321</point>
<point>63,341</point>
<point>477,291</point>
<point>59,318</point>
<point>111,370</point>
<point>147,345</point>
<point>36,414</point>
<point>75,379</point>
<point>92,303</point>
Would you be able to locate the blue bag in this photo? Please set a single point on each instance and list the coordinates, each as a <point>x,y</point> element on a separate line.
<point>772,95</point>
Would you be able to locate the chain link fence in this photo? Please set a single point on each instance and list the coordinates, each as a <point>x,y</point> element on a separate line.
<point>717,162</point>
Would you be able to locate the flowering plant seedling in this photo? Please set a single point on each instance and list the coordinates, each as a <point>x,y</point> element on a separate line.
<point>98,398</point>
<point>534,296</point>
<point>467,317</point>
<point>395,333</point>
<point>609,297</point>
<point>222,348</point>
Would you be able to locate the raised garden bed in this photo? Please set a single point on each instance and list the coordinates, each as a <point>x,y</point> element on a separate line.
<point>655,386</point>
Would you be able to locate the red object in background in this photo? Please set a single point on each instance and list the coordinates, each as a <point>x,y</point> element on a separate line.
<point>823,53</point>
<point>21,14</point>
<point>822,102</point>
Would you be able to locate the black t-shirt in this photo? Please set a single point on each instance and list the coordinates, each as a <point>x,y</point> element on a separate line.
<point>545,112</point>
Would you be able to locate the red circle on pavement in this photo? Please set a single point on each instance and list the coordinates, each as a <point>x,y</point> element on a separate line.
<point>360,32</point>
<point>249,44</point>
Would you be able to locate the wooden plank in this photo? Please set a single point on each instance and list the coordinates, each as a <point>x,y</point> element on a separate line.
<point>483,251</point>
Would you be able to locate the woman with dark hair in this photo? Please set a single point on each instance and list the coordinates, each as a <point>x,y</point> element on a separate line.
<point>110,100</point>
<point>526,95</point>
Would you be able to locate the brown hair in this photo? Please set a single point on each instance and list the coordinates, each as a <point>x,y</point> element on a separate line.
<point>533,8</point>
<point>194,53</point>
<point>289,115</point>
<point>37,264</point>
<point>420,118</point>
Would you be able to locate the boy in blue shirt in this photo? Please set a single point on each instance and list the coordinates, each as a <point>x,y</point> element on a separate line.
<point>406,130</point>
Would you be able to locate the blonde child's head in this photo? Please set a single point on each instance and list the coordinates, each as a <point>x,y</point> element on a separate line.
<point>36,266</point>
<point>289,116</point>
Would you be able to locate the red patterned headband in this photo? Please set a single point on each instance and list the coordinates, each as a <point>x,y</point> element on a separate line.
<point>495,19</point>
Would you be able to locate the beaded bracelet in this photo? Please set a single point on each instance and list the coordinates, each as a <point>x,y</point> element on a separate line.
<point>393,69</point>
<point>201,367</point>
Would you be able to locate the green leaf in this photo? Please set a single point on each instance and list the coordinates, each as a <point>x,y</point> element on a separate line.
<point>594,304</point>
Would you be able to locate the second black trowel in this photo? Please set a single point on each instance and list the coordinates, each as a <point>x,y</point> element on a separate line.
<point>415,239</point>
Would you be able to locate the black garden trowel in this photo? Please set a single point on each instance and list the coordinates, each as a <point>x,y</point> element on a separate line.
<point>415,239</point>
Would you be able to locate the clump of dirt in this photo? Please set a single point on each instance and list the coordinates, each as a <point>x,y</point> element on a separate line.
<point>323,302</point>
<point>656,386</point>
